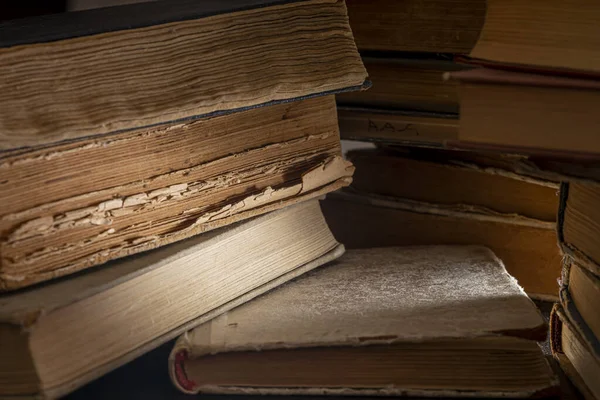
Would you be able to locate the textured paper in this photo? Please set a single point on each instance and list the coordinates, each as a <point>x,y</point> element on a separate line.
<point>301,229</point>
<point>375,296</point>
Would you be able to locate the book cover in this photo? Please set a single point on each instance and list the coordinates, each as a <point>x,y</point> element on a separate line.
<point>374,299</point>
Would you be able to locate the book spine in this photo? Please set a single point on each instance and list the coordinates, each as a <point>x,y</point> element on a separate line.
<point>570,252</point>
<point>557,319</point>
<point>570,311</point>
<point>556,332</point>
<point>560,219</point>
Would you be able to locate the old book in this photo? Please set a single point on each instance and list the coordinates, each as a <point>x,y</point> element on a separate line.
<point>526,246</point>
<point>452,182</point>
<point>395,126</point>
<point>580,298</point>
<point>407,84</point>
<point>551,168</point>
<point>76,205</point>
<point>378,322</point>
<point>579,223</point>
<point>56,337</point>
<point>435,26</point>
<point>518,32</point>
<point>528,113</point>
<point>144,64</point>
<point>580,362</point>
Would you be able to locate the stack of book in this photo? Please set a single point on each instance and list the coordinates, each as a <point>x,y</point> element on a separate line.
<point>412,192</point>
<point>538,88</point>
<point>526,78</point>
<point>537,93</point>
<point>406,47</point>
<point>161,166</point>
<point>127,131</point>
<point>575,325</point>
<point>426,198</point>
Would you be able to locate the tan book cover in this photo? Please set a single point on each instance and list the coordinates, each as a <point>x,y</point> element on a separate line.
<point>385,309</point>
<point>415,84</point>
<point>528,113</point>
<point>59,336</point>
<point>448,181</point>
<point>434,26</point>
<point>517,33</point>
<point>578,220</point>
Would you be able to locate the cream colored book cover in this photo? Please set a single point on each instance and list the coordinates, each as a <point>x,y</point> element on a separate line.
<point>423,320</point>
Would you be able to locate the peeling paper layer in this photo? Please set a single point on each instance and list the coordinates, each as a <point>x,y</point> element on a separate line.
<point>330,175</point>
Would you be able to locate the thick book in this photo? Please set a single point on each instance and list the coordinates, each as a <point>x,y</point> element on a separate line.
<point>426,321</point>
<point>522,112</point>
<point>579,361</point>
<point>579,223</point>
<point>444,180</point>
<point>527,246</point>
<point>59,336</point>
<point>407,84</point>
<point>403,127</point>
<point>95,72</point>
<point>517,33</point>
<point>76,205</point>
<point>434,26</point>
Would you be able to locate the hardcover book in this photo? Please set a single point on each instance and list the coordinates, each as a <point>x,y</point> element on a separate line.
<point>434,26</point>
<point>519,112</point>
<point>444,321</point>
<point>440,178</point>
<point>516,34</point>
<point>59,336</point>
<point>413,84</point>
<point>400,127</point>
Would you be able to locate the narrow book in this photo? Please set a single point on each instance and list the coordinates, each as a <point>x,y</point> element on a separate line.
<point>404,127</point>
<point>59,336</point>
<point>518,112</point>
<point>440,178</point>
<point>516,34</point>
<point>415,84</point>
<point>580,298</point>
<point>424,321</point>
<point>434,26</point>
<point>576,356</point>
